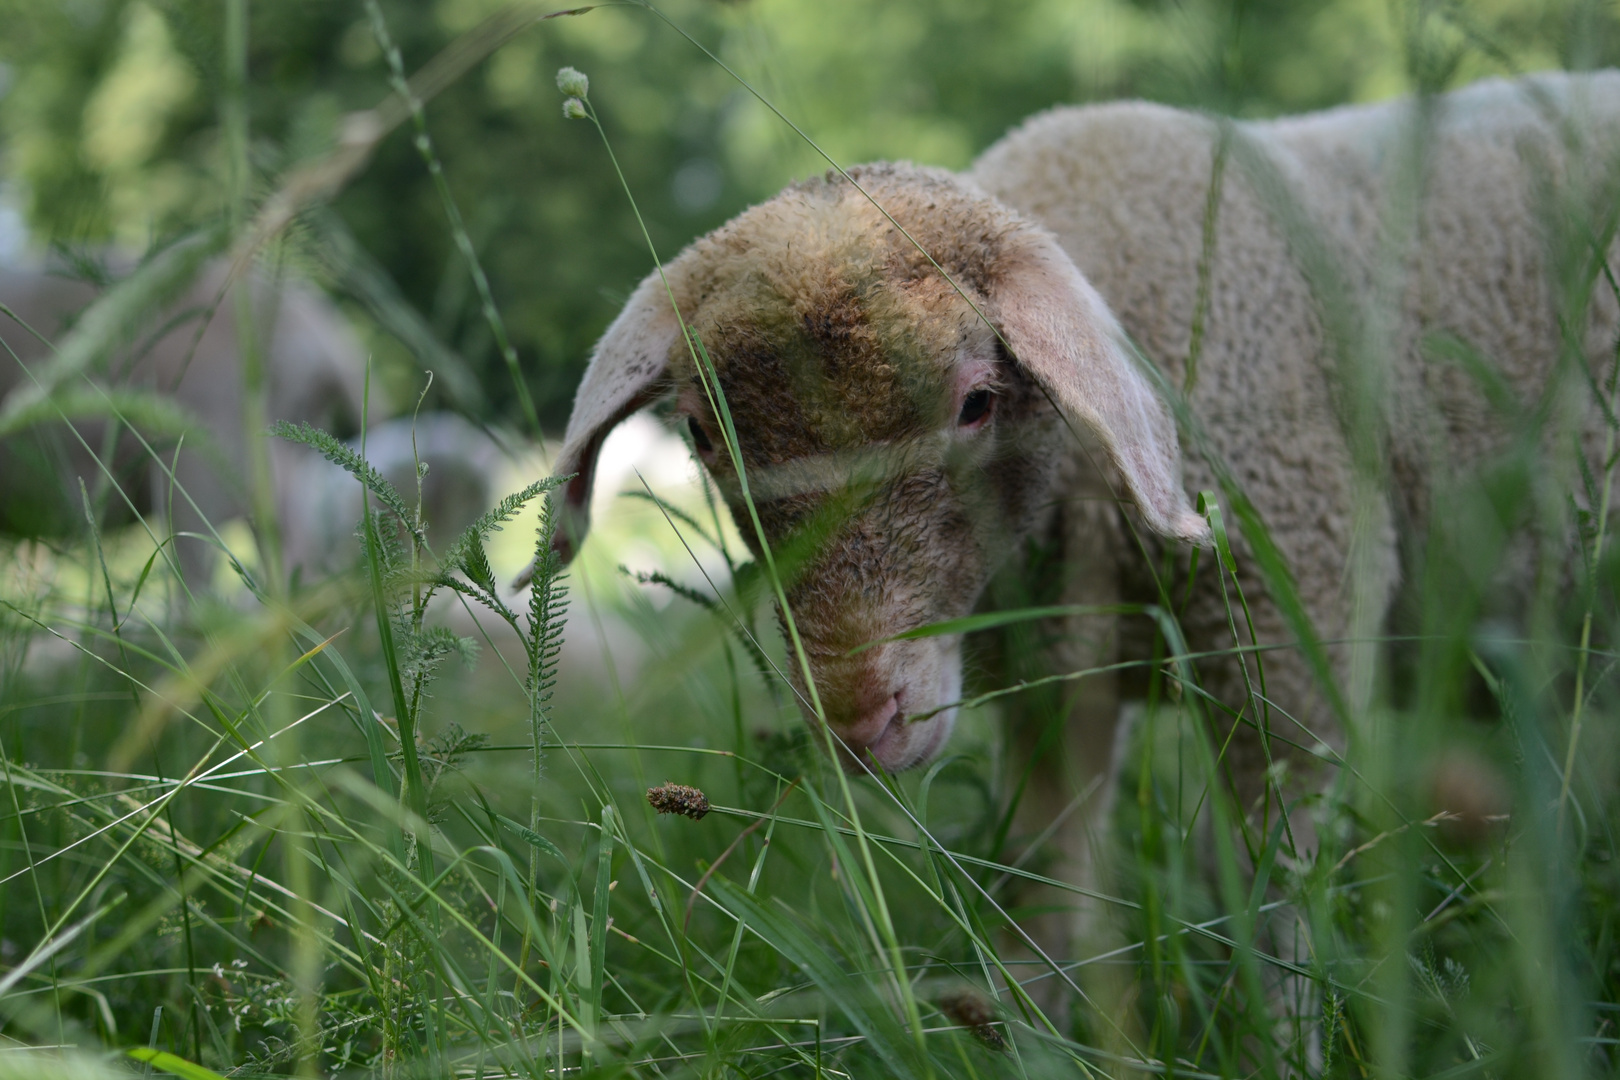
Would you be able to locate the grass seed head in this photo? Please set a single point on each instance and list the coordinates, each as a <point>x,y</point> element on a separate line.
<point>678,799</point>
<point>1469,788</point>
<point>572,82</point>
<point>971,1009</point>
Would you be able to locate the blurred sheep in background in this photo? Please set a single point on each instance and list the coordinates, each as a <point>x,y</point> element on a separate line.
<point>320,503</point>
<point>314,373</point>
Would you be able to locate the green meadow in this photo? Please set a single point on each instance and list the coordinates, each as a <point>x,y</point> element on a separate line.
<point>405,818</point>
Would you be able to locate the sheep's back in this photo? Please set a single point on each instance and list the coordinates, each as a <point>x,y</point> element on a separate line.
<point>1124,187</point>
<point>1298,263</point>
<point>1477,266</point>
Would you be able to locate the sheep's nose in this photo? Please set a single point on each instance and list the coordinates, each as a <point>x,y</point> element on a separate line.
<point>869,727</point>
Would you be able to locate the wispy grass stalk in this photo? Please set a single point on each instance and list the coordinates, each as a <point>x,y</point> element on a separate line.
<point>458,229</point>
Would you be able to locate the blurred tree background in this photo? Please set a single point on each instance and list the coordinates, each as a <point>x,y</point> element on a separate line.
<point>110,127</point>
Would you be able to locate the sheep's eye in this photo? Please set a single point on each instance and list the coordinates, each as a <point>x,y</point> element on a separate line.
<point>974,408</point>
<point>700,438</point>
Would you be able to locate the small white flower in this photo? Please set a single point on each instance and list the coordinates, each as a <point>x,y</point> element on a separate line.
<point>572,81</point>
<point>573,109</point>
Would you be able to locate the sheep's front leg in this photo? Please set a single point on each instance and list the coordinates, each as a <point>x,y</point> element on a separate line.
<point>1268,715</point>
<point>1062,765</point>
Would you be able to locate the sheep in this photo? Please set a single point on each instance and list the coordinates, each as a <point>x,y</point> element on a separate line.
<point>315,373</point>
<point>933,399</point>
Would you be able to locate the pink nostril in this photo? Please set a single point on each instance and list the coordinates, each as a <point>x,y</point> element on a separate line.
<point>870,726</point>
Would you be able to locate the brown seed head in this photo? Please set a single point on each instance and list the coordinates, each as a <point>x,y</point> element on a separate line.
<point>1471,791</point>
<point>971,1009</point>
<point>678,799</point>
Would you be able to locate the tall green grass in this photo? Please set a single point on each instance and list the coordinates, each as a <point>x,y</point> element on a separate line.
<point>261,828</point>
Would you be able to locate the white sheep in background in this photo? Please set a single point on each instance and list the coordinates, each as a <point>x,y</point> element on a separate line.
<point>314,370</point>
<point>856,372</point>
<point>321,502</point>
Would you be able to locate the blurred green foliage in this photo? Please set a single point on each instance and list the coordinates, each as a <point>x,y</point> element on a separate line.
<point>111,126</point>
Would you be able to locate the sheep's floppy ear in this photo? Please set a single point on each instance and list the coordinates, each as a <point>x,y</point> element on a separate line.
<point>1064,336</point>
<point>624,374</point>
